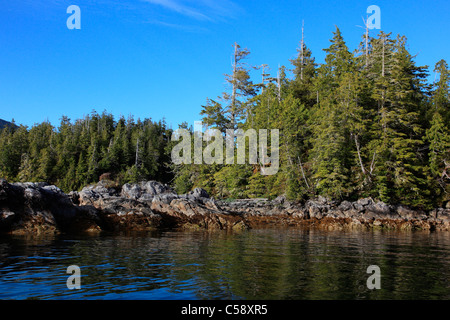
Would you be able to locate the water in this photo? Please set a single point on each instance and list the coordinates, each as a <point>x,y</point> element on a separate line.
<point>260,264</point>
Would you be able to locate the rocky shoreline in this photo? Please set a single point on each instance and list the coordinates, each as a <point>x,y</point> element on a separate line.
<point>36,208</point>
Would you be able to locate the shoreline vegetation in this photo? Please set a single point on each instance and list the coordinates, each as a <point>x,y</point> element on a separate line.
<point>40,208</point>
<point>362,125</point>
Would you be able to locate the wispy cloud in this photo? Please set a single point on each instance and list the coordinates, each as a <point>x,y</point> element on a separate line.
<point>202,10</point>
<point>222,8</point>
<point>187,28</point>
<point>181,8</point>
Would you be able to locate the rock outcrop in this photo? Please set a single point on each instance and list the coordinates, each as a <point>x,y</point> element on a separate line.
<point>42,208</point>
<point>364,213</point>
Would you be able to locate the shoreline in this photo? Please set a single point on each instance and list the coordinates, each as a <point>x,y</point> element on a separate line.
<point>332,215</point>
<point>39,208</point>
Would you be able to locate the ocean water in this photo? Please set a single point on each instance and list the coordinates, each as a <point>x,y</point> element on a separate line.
<point>262,264</point>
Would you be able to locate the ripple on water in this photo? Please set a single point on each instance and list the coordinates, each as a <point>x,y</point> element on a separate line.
<point>258,264</point>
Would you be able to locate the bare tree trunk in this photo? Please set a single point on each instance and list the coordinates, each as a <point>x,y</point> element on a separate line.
<point>383,92</point>
<point>302,53</point>
<point>359,153</point>
<point>372,164</point>
<point>264,74</point>
<point>137,153</point>
<point>279,84</point>
<point>300,163</point>
<point>233,95</point>
<point>382,67</point>
<point>367,42</point>
<point>303,172</point>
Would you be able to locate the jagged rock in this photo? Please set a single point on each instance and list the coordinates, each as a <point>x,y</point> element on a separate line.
<point>279,200</point>
<point>74,196</point>
<point>337,214</point>
<point>322,200</point>
<point>406,213</point>
<point>345,205</point>
<point>199,193</point>
<point>39,207</point>
<point>314,212</point>
<point>164,198</point>
<point>131,191</point>
<point>146,197</point>
<point>365,201</point>
<point>379,208</point>
<point>300,214</point>
<point>167,209</point>
<point>361,204</point>
<point>212,204</point>
<point>358,207</point>
<point>145,190</point>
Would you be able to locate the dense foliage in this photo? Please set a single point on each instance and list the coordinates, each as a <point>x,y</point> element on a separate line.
<point>362,124</point>
<point>78,153</point>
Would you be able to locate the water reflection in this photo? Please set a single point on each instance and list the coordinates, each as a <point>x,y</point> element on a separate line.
<point>259,264</point>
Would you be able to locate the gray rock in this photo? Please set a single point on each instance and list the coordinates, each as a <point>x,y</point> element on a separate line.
<point>358,207</point>
<point>352,213</point>
<point>147,188</point>
<point>164,198</point>
<point>53,189</point>
<point>300,214</point>
<point>406,213</point>
<point>380,208</point>
<point>212,204</point>
<point>345,205</point>
<point>322,200</point>
<point>365,201</point>
<point>155,188</point>
<point>314,212</point>
<point>32,194</point>
<point>102,191</point>
<point>370,215</point>
<point>131,191</point>
<point>146,197</point>
<point>152,188</point>
<point>279,200</point>
<point>87,196</point>
<point>336,214</point>
<point>199,193</point>
<point>34,185</point>
<point>74,196</point>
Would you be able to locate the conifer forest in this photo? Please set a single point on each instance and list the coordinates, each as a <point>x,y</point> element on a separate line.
<point>364,123</point>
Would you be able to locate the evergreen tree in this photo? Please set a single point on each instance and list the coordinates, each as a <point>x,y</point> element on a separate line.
<point>399,173</point>
<point>362,124</point>
<point>330,154</point>
<point>241,87</point>
<point>437,135</point>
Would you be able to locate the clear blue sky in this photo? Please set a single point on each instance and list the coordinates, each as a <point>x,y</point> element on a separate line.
<point>163,58</point>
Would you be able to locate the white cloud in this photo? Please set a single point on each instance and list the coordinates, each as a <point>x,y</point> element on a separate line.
<point>203,10</point>
<point>181,27</point>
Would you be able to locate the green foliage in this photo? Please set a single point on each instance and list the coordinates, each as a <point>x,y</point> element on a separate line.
<point>76,154</point>
<point>362,124</point>
<point>438,134</point>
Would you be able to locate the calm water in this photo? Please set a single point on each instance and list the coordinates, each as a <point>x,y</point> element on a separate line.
<point>259,264</point>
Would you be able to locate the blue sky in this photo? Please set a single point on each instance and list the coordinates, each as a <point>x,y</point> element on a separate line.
<point>163,58</point>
